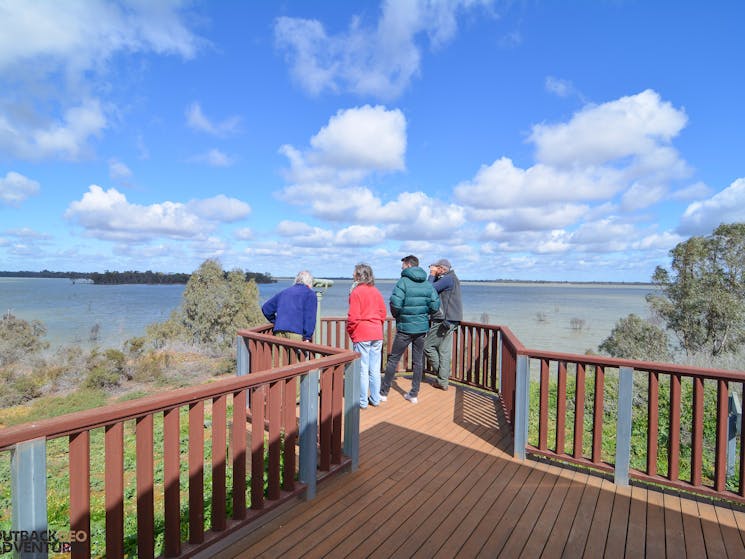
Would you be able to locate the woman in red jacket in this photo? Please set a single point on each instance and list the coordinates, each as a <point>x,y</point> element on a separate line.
<point>365,326</point>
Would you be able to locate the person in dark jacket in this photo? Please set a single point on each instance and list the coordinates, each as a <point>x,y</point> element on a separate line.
<point>438,345</point>
<point>412,302</point>
<point>293,310</point>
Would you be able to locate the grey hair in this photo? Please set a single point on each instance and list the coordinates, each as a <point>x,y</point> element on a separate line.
<point>363,274</point>
<point>304,277</point>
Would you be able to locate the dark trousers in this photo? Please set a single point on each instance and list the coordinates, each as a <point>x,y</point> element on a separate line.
<point>400,343</point>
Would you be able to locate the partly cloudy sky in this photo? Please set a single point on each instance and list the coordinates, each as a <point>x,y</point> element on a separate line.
<point>521,140</point>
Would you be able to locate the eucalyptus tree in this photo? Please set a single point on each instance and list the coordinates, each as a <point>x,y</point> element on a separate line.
<point>215,304</point>
<point>635,338</point>
<point>702,297</point>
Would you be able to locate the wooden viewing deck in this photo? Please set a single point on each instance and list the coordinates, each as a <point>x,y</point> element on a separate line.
<point>437,479</point>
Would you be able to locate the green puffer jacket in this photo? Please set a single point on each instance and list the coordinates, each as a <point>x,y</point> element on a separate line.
<point>413,300</point>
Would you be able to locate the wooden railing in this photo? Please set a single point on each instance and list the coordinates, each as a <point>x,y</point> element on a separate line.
<point>656,422</point>
<point>239,459</point>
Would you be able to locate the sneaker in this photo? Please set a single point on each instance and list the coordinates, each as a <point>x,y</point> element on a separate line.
<point>439,386</point>
<point>410,398</point>
<point>383,398</point>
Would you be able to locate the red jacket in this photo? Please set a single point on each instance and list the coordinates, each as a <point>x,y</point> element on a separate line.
<point>366,314</point>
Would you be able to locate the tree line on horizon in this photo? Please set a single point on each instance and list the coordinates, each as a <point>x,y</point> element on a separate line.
<point>128,277</point>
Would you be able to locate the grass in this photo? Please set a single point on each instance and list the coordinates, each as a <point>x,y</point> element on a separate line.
<point>58,482</point>
<point>640,422</point>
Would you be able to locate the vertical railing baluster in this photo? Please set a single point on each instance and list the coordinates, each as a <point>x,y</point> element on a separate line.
<point>28,464</point>
<point>697,432</point>
<point>309,431</point>
<point>522,405</point>
<point>114,489</point>
<point>720,453</point>
<point>219,458</point>
<point>623,425</point>
<point>171,482</point>
<point>80,491</point>
<point>543,407</point>
<point>196,472</point>
<point>653,422</point>
<point>258,399</point>
<point>238,451</point>
<point>561,408</point>
<point>579,411</point>
<point>337,411</point>
<point>674,436</point>
<point>352,412</point>
<point>145,487</point>
<point>598,415</point>
<point>290,430</point>
<point>275,419</point>
<point>326,419</point>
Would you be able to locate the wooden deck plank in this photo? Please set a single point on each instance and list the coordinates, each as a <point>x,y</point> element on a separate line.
<point>313,528</point>
<point>513,514</point>
<point>655,544</point>
<point>543,527</point>
<point>598,534</point>
<point>565,519</point>
<point>615,543</point>
<point>580,530</point>
<point>674,536</point>
<point>692,530</point>
<point>525,528</point>
<point>636,535</point>
<point>437,479</point>
<point>730,532</point>
<point>711,531</point>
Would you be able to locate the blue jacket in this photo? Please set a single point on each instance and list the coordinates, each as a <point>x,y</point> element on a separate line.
<point>413,300</point>
<point>451,304</point>
<point>293,310</point>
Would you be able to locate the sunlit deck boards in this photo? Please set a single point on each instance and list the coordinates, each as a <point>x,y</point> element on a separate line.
<point>436,479</point>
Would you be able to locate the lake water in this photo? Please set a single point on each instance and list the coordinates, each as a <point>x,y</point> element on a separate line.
<point>539,314</point>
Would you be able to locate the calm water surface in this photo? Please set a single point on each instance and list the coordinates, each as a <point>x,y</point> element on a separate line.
<point>539,314</point>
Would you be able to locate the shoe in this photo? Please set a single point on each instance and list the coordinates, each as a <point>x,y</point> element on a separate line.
<point>410,398</point>
<point>370,402</point>
<point>383,398</point>
<point>439,386</point>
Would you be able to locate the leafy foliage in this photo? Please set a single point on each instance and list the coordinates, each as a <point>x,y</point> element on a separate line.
<point>20,338</point>
<point>703,296</point>
<point>214,306</point>
<point>635,338</point>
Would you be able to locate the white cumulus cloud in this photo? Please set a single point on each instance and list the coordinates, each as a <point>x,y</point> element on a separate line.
<point>107,214</point>
<point>378,60</point>
<point>15,188</point>
<point>727,206</point>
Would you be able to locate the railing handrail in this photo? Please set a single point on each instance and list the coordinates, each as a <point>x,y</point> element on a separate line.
<point>85,420</point>
<point>638,365</point>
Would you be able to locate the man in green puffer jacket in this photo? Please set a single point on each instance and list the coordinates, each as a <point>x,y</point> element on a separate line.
<point>412,302</point>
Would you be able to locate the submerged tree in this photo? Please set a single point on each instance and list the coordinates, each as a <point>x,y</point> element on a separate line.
<point>214,306</point>
<point>635,338</point>
<point>703,297</point>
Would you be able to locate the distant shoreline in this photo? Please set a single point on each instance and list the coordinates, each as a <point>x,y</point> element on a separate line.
<point>123,278</point>
<point>509,281</point>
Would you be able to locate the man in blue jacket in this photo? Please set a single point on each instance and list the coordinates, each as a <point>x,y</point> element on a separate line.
<point>293,310</point>
<point>413,300</point>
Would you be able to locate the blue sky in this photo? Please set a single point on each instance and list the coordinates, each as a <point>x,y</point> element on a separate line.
<point>535,140</point>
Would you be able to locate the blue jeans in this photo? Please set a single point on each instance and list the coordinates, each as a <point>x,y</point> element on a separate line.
<point>370,356</point>
<point>400,343</point>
